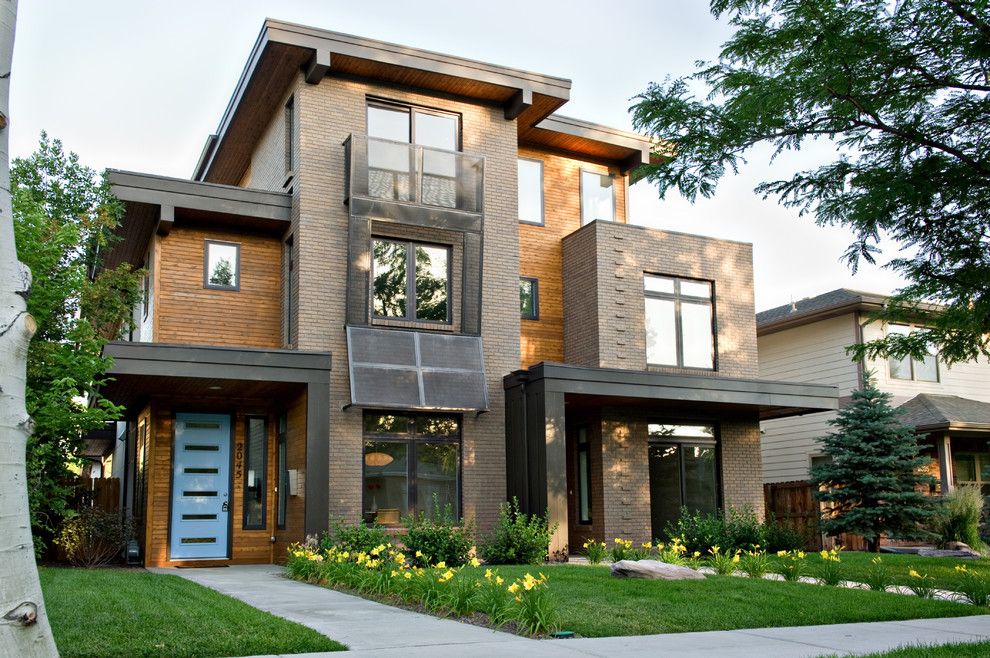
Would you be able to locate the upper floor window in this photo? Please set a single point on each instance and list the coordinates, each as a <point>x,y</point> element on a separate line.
<point>922,370</point>
<point>529,299</point>
<point>222,265</point>
<point>679,322</point>
<point>597,197</point>
<point>530,191</point>
<point>411,281</point>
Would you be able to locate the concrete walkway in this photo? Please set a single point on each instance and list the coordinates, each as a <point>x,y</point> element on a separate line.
<point>374,629</point>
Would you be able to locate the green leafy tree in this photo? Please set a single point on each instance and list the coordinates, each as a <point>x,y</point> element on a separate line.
<point>872,484</point>
<point>63,219</point>
<point>903,90</point>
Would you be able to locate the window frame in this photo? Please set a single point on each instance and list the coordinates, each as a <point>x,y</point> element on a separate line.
<point>289,123</point>
<point>583,448</point>
<point>282,471</point>
<point>910,360</point>
<point>206,265</point>
<point>264,474</point>
<point>543,196</point>
<point>410,438</point>
<point>411,109</point>
<point>535,282</point>
<point>581,173</point>
<point>676,297</point>
<point>689,441</point>
<point>411,305</point>
<point>146,289</point>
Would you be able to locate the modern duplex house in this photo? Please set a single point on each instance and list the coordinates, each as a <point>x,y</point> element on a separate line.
<point>398,278</point>
<point>948,406</point>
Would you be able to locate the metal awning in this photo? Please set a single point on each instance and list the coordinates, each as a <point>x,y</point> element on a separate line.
<point>398,369</point>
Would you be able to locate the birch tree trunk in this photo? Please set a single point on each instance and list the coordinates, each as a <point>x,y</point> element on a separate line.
<point>24,629</point>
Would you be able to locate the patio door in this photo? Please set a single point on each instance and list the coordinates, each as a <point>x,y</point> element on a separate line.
<point>200,487</point>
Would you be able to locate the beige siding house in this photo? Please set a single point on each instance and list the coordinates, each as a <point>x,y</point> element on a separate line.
<point>807,340</point>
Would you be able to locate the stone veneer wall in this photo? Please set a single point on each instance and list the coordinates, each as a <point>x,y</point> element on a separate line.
<point>328,113</point>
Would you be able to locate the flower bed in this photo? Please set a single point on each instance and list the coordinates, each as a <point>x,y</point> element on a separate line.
<point>468,591</point>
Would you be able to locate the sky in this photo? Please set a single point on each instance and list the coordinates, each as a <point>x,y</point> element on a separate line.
<point>139,84</point>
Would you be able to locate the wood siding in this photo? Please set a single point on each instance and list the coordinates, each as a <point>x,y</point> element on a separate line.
<point>540,253</point>
<point>295,510</point>
<point>188,312</point>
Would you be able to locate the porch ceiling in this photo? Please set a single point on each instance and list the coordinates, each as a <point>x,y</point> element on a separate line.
<point>703,395</point>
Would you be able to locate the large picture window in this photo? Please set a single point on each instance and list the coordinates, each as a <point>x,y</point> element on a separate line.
<point>683,466</point>
<point>679,322</point>
<point>412,462</point>
<point>411,281</point>
<point>922,370</point>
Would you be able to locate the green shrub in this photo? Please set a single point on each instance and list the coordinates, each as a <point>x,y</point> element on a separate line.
<point>517,538</point>
<point>959,517</point>
<point>699,532</point>
<point>438,539</point>
<point>743,529</point>
<point>93,538</point>
<point>355,537</point>
<point>779,537</point>
<point>734,529</point>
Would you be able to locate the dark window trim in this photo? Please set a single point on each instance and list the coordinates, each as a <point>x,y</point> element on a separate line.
<point>581,173</point>
<point>677,297</point>
<point>146,288</point>
<point>543,196</point>
<point>264,474</point>
<point>411,108</point>
<point>680,442</point>
<point>911,360</point>
<point>410,438</point>
<point>289,120</point>
<point>585,449</point>
<point>282,468</point>
<point>411,281</point>
<point>536,298</point>
<point>206,265</point>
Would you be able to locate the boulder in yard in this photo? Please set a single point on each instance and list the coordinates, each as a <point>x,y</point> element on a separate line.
<point>654,570</point>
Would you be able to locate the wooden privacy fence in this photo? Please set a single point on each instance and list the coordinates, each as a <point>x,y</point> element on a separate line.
<point>99,493</point>
<point>794,506</point>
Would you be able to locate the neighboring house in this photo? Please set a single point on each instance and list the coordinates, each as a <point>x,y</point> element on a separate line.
<point>496,329</point>
<point>948,406</point>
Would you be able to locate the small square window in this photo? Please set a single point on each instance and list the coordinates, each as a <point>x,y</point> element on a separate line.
<point>222,265</point>
<point>529,304</point>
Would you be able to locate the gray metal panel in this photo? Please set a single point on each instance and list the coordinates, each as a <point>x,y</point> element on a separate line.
<point>445,371</point>
<point>414,214</point>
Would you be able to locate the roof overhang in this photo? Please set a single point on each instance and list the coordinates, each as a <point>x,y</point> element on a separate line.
<point>142,370</point>
<point>623,149</point>
<point>283,49</point>
<point>153,203</point>
<point>721,395</point>
<point>868,303</point>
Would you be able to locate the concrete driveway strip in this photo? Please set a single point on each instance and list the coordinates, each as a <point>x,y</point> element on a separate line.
<point>374,629</point>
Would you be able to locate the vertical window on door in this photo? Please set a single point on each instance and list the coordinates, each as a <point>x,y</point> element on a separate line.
<point>597,197</point>
<point>680,330</point>
<point>255,465</point>
<point>283,471</point>
<point>584,476</point>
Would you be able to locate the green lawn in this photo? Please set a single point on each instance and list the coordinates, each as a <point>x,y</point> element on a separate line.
<point>131,612</point>
<point>856,564</point>
<point>594,604</point>
<point>965,650</point>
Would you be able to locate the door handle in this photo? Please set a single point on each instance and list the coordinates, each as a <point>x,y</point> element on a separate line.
<point>225,507</point>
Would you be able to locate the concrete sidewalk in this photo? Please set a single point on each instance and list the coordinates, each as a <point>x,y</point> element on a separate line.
<point>374,629</point>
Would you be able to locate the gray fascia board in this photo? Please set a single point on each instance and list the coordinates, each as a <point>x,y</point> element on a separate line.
<point>415,58</point>
<point>658,386</point>
<point>161,190</point>
<point>166,360</point>
<point>597,133</point>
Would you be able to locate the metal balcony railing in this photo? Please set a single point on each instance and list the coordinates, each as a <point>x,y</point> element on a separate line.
<point>410,173</point>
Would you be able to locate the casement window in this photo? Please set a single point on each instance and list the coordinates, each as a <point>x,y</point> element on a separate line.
<point>583,476</point>
<point>921,370</point>
<point>680,328</point>
<point>410,281</point>
<point>222,265</point>
<point>255,476</point>
<point>684,473</point>
<point>530,191</point>
<point>597,197</point>
<point>529,298</point>
<point>412,463</point>
<point>391,164</point>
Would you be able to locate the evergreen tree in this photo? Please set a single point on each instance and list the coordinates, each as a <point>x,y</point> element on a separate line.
<point>872,483</point>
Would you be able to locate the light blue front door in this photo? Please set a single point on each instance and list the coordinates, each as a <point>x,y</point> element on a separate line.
<point>200,487</point>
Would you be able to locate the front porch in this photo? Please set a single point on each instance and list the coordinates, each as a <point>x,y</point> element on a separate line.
<point>617,453</point>
<point>217,449</point>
